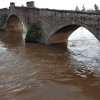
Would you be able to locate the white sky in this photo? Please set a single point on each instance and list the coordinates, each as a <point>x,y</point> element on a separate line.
<point>54,4</point>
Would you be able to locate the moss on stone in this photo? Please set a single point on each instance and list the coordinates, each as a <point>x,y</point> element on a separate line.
<point>34,34</point>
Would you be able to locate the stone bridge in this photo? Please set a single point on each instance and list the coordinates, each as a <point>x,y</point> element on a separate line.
<point>56,25</point>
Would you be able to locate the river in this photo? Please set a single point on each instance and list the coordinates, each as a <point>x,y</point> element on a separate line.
<point>49,72</point>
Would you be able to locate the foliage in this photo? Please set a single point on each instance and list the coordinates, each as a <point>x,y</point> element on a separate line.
<point>83,8</point>
<point>90,10</point>
<point>23,5</point>
<point>77,8</point>
<point>33,34</point>
<point>96,8</point>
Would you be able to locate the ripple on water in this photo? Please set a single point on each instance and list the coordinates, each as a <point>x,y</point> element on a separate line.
<point>42,72</point>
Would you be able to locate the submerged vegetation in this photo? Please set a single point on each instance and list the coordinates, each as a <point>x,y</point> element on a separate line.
<point>34,34</point>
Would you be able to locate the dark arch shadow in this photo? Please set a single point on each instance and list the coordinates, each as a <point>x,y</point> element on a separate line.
<point>62,33</point>
<point>14,22</point>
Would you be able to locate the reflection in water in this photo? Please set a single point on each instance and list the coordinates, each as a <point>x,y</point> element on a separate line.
<point>42,72</point>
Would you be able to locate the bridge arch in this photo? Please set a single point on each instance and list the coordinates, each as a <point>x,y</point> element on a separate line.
<point>14,22</point>
<point>61,33</point>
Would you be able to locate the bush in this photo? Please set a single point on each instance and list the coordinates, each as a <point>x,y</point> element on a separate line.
<point>33,34</point>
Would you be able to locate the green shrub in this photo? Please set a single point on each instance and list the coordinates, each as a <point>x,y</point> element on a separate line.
<point>33,34</point>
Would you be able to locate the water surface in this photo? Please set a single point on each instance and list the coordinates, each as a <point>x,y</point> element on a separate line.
<point>49,72</point>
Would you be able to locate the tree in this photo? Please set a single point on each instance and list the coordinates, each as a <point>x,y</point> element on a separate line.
<point>76,9</point>
<point>96,8</point>
<point>33,34</point>
<point>90,10</point>
<point>83,8</point>
<point>23,5</point>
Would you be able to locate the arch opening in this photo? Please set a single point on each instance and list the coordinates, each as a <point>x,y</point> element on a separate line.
<point>14,23</point>
<point>61,35</point>
<point>83,34</point>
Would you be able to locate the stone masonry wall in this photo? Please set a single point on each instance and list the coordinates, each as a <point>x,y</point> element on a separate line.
<point>52,20</point>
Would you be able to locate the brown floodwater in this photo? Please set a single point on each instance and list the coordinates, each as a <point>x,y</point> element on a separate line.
<point>49,72</point>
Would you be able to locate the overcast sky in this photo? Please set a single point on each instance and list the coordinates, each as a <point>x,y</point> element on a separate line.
<point>54,4</point>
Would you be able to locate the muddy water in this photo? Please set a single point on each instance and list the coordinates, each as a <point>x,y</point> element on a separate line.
<point>49,72</point>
